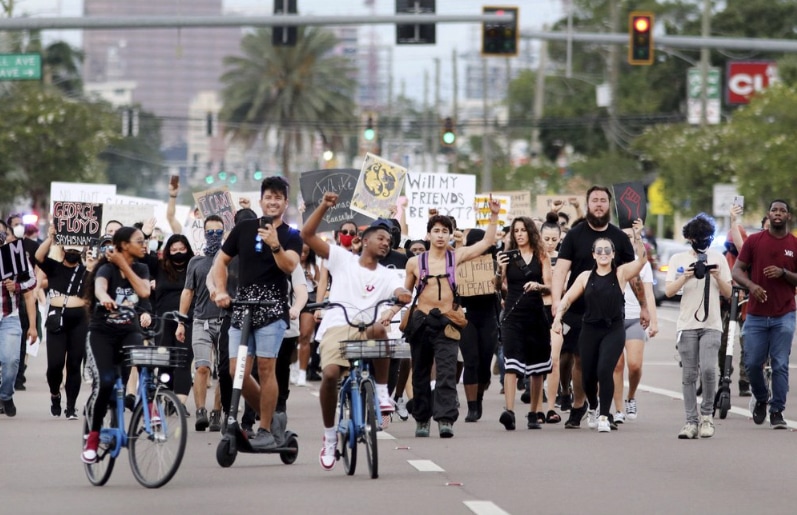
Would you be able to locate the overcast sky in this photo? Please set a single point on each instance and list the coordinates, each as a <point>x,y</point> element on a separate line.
<point>409,61</point>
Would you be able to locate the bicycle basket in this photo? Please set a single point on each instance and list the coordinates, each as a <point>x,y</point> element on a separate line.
<point>150,356</point>
<point>365,349</point>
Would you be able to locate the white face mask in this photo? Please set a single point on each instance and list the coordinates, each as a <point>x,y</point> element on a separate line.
<point>153,245</point>
<point>19,231</point>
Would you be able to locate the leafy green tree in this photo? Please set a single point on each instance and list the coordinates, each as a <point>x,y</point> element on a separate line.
<point>290,89</point>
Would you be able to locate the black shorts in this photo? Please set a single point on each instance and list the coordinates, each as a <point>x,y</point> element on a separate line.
<point>570,340</point>
<point>310,299</point>
<point>527,346</point>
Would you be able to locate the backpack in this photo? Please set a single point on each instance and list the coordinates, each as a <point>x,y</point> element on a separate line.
<point>451,273</point>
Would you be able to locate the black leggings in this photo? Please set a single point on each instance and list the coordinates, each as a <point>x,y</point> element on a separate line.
<point>67,348</point>
<point>181,381</point>
<point>600,348</point>
<point>104,354</point>
<point>478,343</point>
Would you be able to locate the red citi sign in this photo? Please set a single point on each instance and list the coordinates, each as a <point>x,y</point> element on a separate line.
<point>745,78</point>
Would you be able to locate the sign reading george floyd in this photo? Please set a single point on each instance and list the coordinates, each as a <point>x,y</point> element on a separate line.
<point>13,261</point>
<point>217,202</point>
<point>342,181</point>
<point>77,223</point>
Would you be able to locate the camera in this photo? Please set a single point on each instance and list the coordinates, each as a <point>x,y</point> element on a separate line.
<point>701,266</point>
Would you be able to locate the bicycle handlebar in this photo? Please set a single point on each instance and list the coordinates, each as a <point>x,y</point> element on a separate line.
<point>327,304</point>
<point>155,328</point>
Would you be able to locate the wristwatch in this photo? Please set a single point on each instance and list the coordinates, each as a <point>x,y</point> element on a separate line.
<point>277,249</point>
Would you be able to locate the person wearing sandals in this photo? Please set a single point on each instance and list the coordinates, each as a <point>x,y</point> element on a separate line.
<point>525,330</point>
<point>551,233</point>
<point>602,336</point>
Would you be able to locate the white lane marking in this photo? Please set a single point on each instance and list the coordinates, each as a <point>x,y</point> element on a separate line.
<point>678,395</point>
<point>314,393</point>
<point>426,465</point>
<point>484,508</point>
<point>384,435</point>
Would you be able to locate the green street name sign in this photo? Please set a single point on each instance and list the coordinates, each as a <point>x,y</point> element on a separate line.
<point>694,84</point>
<point>20,67</point>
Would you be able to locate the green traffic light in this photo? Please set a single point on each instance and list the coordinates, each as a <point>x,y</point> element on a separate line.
<point>369,134</point>
<point>222,176</point>
<point>258,175</point>
<point>233,178</point>
<point>209,179</point>
<point>449,138</point>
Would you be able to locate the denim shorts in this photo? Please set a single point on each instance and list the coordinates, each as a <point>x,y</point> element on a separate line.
<point>264,342</point>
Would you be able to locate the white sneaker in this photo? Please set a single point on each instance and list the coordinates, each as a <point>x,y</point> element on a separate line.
<point>294,372</point>
<point>327,455</point>
<point>386,404</point>
<point>630,409</point>
<point>619,417</point>
<point>603,424</point>
<point>592,418</point>
<point>688,432</point>
<point>706,428</point>
<point>301,378</point>
<point>401,409</point>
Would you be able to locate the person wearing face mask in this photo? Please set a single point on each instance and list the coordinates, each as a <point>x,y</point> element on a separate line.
<point>169,281</point>
<point>67,323</point>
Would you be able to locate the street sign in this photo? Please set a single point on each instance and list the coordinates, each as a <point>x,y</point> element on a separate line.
<point>20,67</point>
<point>746,78</point>
<point>694,90</point>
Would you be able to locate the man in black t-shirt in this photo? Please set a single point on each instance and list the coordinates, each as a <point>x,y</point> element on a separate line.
<point>268,251</point>
<point>575,256</point>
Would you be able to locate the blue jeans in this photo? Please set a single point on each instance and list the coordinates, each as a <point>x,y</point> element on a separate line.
<point>10,336</point>
<point>769,337</point>
<point>264,342</point>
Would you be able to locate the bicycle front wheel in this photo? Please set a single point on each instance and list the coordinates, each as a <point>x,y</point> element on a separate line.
<point>369,416</point>
<point>155,455</point>
<point>347,440</point>
<point>99,472</point>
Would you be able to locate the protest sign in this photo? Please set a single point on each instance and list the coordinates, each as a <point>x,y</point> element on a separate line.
<point>81,192</point>
<point>77,223</point>
<point>630,202</point>
<point>127,214</point>
<point>483,213</point>
<point>341,181</point>
<point>252,196</point>
<point>378,187</point>
<point>519,205</point>
<point>476,277</point>
<point>546,204</point>
<point>13,261</point>
<point>217,202</point>
<point>451,194</point>
<point>194,230</point>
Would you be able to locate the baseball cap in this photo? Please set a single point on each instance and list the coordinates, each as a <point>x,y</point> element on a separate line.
<point>380,223</point>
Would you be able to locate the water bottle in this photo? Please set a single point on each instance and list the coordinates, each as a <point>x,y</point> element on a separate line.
<point>678,274</point>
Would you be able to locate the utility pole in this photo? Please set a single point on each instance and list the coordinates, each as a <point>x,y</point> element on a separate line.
<point>487,158</point>
<point>614,77</point>
<point>539,102</point>
<point>704,63</point>
<point>455,107</point>
<point>436,119</point>
<point>425,124</point>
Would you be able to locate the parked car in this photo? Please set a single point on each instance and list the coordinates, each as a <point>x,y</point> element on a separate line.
<point>664,251</point>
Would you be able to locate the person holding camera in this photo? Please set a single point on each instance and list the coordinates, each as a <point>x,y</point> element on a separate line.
<point>766,267</point>
<point>699,326</point>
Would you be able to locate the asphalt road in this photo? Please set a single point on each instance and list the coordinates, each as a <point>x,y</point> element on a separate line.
<point>642,468</point>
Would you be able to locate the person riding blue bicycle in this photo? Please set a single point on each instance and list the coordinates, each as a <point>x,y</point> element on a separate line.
<point>360,282</point>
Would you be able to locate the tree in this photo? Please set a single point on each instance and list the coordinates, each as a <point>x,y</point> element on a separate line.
<point>293,90</point>
<point>45,137</point>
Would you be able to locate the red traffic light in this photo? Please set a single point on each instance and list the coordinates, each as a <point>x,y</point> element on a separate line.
<point>642,24</point>
<point>640,34</point>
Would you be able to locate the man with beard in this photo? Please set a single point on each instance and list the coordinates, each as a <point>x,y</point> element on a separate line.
<point>575,256</point>
<point>766,267</point>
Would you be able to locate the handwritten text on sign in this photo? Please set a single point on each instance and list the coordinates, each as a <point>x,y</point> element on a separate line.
<point>476,277</point>
<point>451,194</point>
<point>484,214</point>
<point>341,181</point>
<point>13,261</point>
<point>217,202</point>
<point>77,223</point>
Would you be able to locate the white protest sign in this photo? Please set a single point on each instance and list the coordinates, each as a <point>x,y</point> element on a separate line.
<point>130,210</point>
<point>451,194</point>
<point>252,196</point>
<point>81,192</point>
<point>194,230</point>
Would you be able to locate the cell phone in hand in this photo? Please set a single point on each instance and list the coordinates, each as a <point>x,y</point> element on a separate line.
<point>265,220</point>
<point>738,200</point>
<point>513,254</point>
<point>174,181</point>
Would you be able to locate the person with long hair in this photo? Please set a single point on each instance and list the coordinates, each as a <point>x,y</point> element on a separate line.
<point>525,330</point>
<point>117,280</point>
<point>602,336</point>
<point>551,234</point>
<point>307,322</point>
<point>67,323</point>
<point>169,277</point>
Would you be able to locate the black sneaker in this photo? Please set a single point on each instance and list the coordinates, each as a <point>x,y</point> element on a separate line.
<point>759,411</point>
<point>55,405</point>
<point>566,403</point>
<point>263,440</point>
<point>531,421</point>
<point>202,421</point>
<point>445,428</point>
<point>576,414</point>
<point>776,420</point>
<point>744,389</point>
<point>525,397</point>
<point>71,413</point>
<point>215,421</point>
<point>507,418</point>
<point>9,408</point>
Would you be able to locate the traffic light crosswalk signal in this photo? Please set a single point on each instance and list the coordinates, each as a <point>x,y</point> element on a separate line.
<point>640,33</point>
<point>448,135</point>
<point>500,38</point>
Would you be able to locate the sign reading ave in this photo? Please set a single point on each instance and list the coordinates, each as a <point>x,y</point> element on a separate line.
<point>20,67</point>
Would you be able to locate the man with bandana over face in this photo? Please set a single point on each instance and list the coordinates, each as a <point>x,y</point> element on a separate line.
<point>206,324</point>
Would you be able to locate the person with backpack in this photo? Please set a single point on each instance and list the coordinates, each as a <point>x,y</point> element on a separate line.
<point>434,326</point>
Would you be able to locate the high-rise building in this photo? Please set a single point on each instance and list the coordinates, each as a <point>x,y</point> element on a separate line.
<point>168,66</point>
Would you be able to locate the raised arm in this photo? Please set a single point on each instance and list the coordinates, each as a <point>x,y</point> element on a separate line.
<point>309,236</point>
<point>171,209</point>
<point>571,296</point>
<point>44,248</point>
<point>480,247</point>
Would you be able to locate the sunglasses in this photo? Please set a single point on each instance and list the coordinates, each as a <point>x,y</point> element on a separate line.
<point>346,232</point>
<point>214,232</point>
<point>603,250</point>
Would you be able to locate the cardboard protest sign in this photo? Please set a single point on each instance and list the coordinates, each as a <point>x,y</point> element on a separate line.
<point>476,277</point>
<point>81,192</point>
<point>378,187</point>
<point>630,202</point>
<point>546,204</point>
<point>341,181</point>
<point>13,261</point>
<point>519,205</point>
<point>218,202</point>
<point>451,194</point>
<point>194,230</point>
<point>483,213</point>
<point>77,223</point>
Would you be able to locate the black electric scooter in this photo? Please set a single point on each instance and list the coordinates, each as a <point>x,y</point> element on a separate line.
<point>235,439</point>
<point>722,401</point>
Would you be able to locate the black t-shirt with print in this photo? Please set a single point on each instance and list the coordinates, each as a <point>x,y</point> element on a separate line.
<point>59,277</point>
<point>122,292</point>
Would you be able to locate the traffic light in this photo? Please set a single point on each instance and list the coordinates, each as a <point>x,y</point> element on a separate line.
<point>640,33</point>
<point>369,134</point>
<point>210,124</point>
<point>209,179</point>
<point>448,135</point>
<point>500,39</point>
<point>258,175</point>
<point>284,36</point>
<point>415,34</point>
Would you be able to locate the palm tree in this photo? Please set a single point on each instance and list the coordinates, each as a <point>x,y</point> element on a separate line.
<point>293,90</point>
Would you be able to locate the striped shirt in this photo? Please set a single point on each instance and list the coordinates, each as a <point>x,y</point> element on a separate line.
<point>10,302</point>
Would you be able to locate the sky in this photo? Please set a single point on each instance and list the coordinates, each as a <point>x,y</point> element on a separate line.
<point>409,61</point>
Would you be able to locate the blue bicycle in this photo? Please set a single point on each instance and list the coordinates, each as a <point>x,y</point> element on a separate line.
<point>358,407</point>
<point>156,437</point>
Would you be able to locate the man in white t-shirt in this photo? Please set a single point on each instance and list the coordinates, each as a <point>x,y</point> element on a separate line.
<point>635,337</point>
<point>360,282</point>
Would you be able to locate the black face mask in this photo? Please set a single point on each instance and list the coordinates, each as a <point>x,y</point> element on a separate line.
<point>180,257</point>
<point>701,245</point>
<point>72,258</point>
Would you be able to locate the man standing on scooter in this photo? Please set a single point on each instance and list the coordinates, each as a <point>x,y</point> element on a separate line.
<point>360,282</point>
<point>268,251</point>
